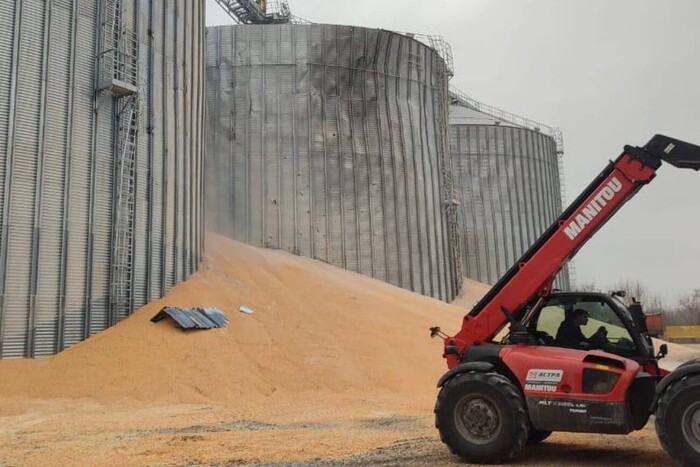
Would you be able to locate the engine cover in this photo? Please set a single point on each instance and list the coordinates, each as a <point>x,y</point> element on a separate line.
<point>574,390</point>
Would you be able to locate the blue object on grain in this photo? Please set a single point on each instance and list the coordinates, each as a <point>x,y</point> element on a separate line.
<point>193,318</point>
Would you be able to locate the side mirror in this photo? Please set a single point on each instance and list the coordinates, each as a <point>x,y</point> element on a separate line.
<point>619,293</point>
<point>434,332</point>
<point>663,351</point>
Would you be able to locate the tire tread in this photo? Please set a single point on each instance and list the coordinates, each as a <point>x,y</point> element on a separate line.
<point>668,442</point>
<point>516,405</point>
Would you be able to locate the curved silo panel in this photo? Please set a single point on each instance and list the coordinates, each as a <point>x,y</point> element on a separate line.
<point>100,163</point>
<point>330,142</point>
<point>509,184</point>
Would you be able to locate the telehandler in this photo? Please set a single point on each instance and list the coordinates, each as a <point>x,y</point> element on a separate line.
<point>510,386</point>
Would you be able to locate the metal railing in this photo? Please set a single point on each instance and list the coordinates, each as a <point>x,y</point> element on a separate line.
<point>458,97</point>
<point>257,12</point>
<point>439,45</point>
<point>299,20</point>
<point>278,9</point>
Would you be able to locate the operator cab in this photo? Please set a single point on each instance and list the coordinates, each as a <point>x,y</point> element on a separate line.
<point>610,325</point>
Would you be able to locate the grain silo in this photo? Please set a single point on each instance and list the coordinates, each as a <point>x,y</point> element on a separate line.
<point>507,171</point>
<point>330,142</point>
<point>101,105</point>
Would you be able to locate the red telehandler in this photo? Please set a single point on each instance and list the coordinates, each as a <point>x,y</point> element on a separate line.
<point>502,393</point>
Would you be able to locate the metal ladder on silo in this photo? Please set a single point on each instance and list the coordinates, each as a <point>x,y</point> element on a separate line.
<point>118,68</point>
<point>124,208</point>
<point>452,208</point>
<point>451,197</point>
<point>558,135</point>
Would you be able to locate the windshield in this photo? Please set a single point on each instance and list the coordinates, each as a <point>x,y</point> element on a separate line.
<point>583,323</point>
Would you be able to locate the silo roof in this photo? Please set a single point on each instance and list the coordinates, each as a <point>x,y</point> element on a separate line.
<point>460,115</point>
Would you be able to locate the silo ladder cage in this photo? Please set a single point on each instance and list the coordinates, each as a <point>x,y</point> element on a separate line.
<point>118,59</point>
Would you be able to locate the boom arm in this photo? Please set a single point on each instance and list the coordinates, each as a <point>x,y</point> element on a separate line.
<point>533,275</point>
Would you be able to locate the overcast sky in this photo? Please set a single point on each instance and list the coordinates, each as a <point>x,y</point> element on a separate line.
<point>609,73</point>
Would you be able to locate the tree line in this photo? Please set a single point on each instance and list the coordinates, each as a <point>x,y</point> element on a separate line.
<point>686,312</point>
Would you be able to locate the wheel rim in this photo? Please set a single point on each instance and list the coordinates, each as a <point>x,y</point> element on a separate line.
<point>477,419</point>
<point>691,425</point>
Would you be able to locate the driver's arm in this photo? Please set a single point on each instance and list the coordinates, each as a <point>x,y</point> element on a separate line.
<point>598,338</point>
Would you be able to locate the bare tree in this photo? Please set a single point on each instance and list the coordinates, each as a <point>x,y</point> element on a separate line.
<point>689,308</point>
<point>587,287</point>
<point>651,301</point>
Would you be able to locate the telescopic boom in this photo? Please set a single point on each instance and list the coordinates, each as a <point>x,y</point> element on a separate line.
<point>533,275</point>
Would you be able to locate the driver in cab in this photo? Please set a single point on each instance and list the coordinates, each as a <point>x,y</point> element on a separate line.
<point>570,335</point>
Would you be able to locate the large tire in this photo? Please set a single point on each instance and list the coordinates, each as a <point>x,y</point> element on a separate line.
<point>537,436</point>
<point>678,421</point>
<point>482,418</point>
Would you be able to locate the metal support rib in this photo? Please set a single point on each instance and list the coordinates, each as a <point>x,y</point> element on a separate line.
<point>9,166</point>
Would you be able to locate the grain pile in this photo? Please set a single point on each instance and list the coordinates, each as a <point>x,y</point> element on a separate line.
<point>315,328</point>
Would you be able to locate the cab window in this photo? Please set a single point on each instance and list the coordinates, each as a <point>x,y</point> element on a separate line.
<point>555,324</point>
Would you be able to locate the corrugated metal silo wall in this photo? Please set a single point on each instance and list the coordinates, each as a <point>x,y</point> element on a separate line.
<point>330,142</point>
<point>57,166</point>
<point>508,180</point>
